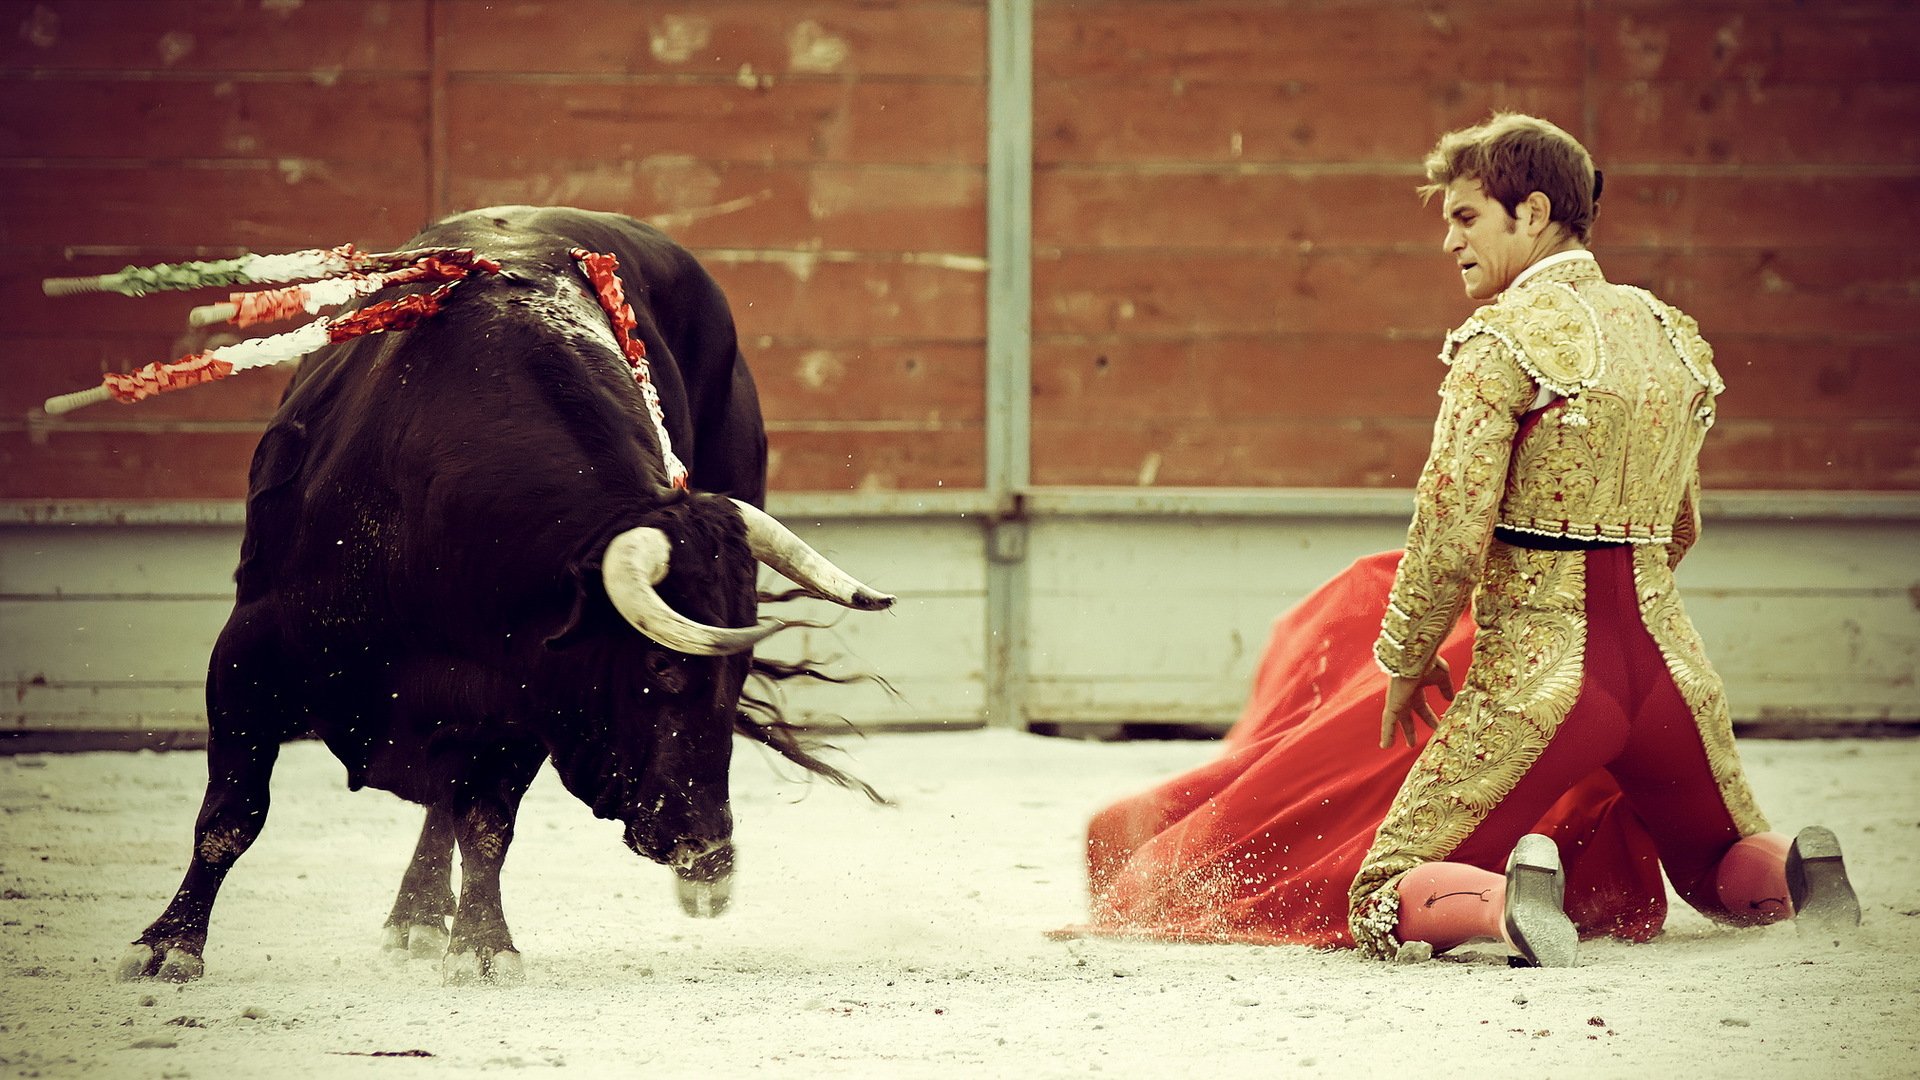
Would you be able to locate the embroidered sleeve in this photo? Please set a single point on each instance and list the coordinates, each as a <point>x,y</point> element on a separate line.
<point>1455,502</point>
<point>1686,524</point>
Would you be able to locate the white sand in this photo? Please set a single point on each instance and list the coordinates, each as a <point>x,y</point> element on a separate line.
<point>880,942</point>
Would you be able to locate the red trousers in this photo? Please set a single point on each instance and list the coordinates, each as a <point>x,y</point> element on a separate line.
<point>1631,720</point>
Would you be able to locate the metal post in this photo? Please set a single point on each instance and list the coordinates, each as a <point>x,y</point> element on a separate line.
<point>1009,360</point>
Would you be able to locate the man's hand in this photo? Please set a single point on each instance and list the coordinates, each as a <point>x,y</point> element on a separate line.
<point>1405,697</point>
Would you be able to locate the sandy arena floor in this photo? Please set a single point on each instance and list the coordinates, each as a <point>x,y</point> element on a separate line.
<point>866,941</point>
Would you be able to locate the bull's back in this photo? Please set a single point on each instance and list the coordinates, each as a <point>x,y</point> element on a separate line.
<point>401,463</point>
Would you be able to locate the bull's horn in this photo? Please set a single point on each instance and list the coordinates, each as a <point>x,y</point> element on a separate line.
<point>774,544</point>
<point>636,561</point>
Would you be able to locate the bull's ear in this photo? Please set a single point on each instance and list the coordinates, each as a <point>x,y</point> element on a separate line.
<point>278,457</point>
<point>574,628</point>
<point>590,611</point>
<point>271,508</point>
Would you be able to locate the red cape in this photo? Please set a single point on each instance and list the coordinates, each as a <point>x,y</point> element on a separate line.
<point>1260,844</point>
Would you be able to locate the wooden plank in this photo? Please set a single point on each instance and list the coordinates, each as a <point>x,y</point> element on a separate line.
<point>1334,452</point>
<point>1250,41</point>
<point>163,464</point>
<point>1073,558</point>
<point>1388,452</point>
<point>109,562</point>
<point>493,123</point>
<point>1390,124</point>
<point>1784,640</point>
<point>926,701</point>
<point>1802,621</point>
<point>931,638</point>
<point>106,707</point>
<point>358,118</point>
<point>1804,126</point>
<point>265,207</point>
<point>793,207</point>
<point>1855,291</point>
<point>1832,380</point>
<point>1414,293</point>
<point>1760,559</point>
<point>1803,703</point>
<point>1763,45</point>
<point>110,641</point>
<point>935,382</point>
<point>1862,455</point>
<point>921,559</point>
<point>1218,293</point>
<point>125,465</point>
<point>1275,376</point>
<point>319,40</point>
<point>744,39</point>
<point>1116,208</point>
<point>1760,212</point>
<point>802,297</point>
<point>853,459</point>
<point>127,645</point>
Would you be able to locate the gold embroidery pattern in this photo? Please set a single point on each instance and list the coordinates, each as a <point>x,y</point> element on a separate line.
<point>1699,685</point>
<point>1550,332</point>
<point>1686,525</point>
<point>1523,680</point>
<point>1613,462</point>
<point>1459,490</point>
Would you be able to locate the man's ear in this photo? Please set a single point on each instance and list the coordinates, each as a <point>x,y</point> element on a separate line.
<point>1536,213</point>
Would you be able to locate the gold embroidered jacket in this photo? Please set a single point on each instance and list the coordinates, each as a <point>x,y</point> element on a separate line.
<point>1616,461</point>
<point>1617,458</point>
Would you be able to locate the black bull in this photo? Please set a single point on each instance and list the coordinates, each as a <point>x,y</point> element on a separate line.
<point>449,531</point>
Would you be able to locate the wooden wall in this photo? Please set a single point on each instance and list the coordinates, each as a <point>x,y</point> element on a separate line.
<point>1233,283</point>
<point>827,160</point>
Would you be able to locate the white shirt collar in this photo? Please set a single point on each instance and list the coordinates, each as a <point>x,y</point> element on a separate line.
<point>1553,260</point>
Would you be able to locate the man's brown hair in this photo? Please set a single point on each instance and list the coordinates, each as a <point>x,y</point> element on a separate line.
<point>1514,155</point>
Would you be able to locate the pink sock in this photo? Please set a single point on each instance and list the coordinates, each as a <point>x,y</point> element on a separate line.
<point>1752,879</point>
<point>1446,904</point>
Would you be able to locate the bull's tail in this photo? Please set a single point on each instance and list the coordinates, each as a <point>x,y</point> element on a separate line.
<point>762,718</point>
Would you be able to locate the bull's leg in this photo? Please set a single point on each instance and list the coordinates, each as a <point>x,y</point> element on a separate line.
<point>481,949</point>
<point>417,925</point>
<point>234,809</point>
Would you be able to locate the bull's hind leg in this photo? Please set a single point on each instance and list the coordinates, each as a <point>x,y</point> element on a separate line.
<point>417,926</point>
<point>234,809</point>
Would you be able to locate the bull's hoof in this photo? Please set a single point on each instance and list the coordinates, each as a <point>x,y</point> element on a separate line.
<point>181,966</point>
<point>173,964</point>
<point>418,941</point>
<point>138,962</point>
<point>704,899</point>
<point>501,968</point>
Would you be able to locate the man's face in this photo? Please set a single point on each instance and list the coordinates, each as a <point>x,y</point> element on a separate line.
<point>1484,239</point>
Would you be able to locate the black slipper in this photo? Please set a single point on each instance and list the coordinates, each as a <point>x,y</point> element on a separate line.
<point>1817,880</point>
<point>1535,917</point>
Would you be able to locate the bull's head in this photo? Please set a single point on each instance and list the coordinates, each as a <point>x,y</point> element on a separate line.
<point>689,826</point>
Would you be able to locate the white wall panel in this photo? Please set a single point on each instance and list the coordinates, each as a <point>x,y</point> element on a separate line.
<point>1153,618</point>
